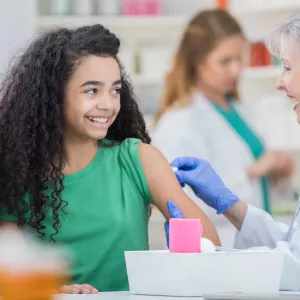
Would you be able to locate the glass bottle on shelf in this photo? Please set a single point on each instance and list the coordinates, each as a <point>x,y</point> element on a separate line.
<point>83,7</point>
<point>61,7</point>
<point>109,7</point>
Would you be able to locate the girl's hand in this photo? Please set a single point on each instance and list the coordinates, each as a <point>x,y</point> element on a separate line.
<point>78,289</point>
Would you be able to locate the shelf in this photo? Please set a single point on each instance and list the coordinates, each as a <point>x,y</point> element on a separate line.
<point>250,73</point>
<point>280,7</point>
<point>262,72</point>
<point>47,22</point>
<point>51,21</point>
<point>169,25</point>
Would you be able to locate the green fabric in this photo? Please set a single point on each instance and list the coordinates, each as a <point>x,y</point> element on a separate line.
<point>107,213</point>
<point>252,141</point>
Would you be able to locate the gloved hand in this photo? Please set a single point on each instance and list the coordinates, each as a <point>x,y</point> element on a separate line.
<point>205,182</point>
<point>175,213</point>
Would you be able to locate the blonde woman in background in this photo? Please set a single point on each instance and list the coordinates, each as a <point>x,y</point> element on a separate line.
<point>201,116</point>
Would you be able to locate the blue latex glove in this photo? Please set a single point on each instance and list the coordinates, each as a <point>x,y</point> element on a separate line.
<point>175,213</point>
<point>205,182</point>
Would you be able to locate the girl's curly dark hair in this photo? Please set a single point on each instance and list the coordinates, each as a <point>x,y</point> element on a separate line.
<point>31,139</point>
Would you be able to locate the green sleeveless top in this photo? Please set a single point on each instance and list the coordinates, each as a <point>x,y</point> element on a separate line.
<point>251,140</point>
<point>107,213</point>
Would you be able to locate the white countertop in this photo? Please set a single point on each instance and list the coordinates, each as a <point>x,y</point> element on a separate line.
<point>128,296</point>
<point>120,296</point>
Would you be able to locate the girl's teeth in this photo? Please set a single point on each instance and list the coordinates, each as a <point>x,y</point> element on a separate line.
<point>98,120</point>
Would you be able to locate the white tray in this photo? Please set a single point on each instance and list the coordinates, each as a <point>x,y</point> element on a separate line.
<point>171,274</point>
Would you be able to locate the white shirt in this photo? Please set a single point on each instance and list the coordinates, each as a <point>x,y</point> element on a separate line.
<point>260,230</point>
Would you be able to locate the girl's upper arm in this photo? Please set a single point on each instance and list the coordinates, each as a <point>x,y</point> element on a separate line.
<point>164,186</point>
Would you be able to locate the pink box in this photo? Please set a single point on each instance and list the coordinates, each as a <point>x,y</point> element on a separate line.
<point>130,7</point>
<point>154,7</point>
<point>185,235</point>
<point>141,7</point>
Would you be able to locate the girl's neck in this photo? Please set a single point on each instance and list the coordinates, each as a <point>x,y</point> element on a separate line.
<point>78,154</point>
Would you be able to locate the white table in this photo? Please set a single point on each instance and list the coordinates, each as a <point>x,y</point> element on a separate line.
<point>127,296</point>
<point>120,296</point>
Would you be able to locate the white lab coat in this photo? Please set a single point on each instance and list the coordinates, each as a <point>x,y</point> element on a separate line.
<point>198,130</point>
<point>260,230</point>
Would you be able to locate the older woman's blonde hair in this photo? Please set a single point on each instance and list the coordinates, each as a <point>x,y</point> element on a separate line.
<point>289,29</point>
<point>200,37</point>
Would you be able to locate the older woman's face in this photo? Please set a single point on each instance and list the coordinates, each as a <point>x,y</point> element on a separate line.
<point>289,80</point>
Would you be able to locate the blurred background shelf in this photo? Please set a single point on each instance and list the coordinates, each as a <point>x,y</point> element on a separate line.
<point>48,22</point>
<point>263,7</point>
<point>262,72</point>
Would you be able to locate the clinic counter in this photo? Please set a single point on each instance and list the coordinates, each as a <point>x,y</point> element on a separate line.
<point>128,296</point>
<point>120,296</point>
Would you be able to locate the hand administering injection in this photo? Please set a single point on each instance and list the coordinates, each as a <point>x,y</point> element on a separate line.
<point>209,187</point>
<point>205,182</point>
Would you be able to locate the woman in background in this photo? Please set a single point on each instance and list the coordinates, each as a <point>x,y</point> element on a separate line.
<point>201,115</point>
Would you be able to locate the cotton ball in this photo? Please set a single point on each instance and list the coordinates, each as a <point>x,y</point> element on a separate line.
<point>207,246</point>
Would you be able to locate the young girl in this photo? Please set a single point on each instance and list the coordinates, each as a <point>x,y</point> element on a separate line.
<point>76,167</point>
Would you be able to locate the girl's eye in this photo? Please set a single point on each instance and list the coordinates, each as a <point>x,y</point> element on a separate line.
<point>92,91</point>
<point>117,91</point>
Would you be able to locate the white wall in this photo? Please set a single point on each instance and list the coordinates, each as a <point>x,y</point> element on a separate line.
<point>17,19</point>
